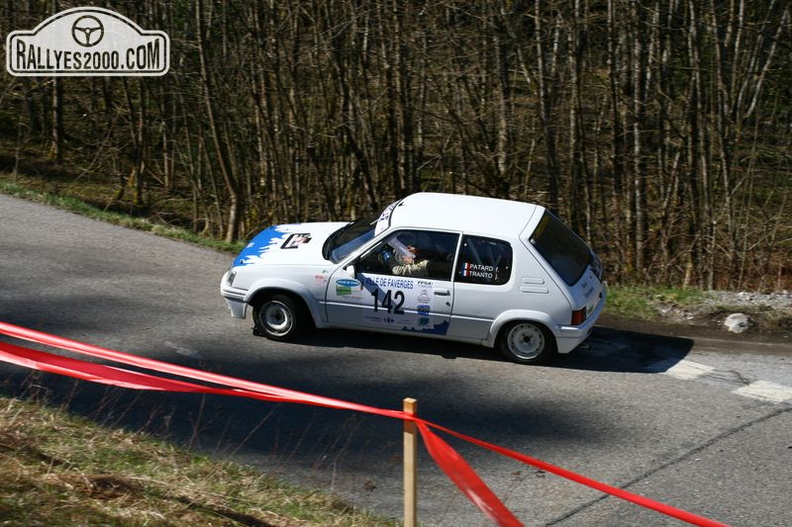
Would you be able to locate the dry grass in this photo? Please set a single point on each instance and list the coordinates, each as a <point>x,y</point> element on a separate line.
<point>61,470</point>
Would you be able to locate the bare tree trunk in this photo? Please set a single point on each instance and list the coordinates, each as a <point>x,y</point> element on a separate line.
<point>56,131</point>
<point>218,141</point>
<point>638,116</point>
<point>403,84</point>
<point>546,111</point>
<point>621,213</point>
<point>139,139</point>
<point>579,200</point>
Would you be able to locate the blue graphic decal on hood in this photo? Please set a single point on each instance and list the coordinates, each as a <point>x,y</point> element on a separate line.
<point>265,241</point>
<point>290,244</point>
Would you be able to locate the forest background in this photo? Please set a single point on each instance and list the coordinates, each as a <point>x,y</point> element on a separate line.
<point>660,130</point>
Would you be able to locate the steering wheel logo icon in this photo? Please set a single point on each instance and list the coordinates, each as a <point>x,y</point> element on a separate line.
<point>87,31</point>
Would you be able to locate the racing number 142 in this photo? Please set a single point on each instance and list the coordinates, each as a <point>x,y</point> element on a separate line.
<point>391,302</point>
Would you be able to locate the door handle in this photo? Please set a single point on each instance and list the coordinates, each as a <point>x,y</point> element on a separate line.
<point>442,292</point>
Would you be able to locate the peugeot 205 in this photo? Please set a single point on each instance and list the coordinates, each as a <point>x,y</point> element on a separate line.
<point>499,273</point>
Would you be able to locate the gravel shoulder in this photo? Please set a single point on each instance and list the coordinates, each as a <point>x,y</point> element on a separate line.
<point>769,317</point>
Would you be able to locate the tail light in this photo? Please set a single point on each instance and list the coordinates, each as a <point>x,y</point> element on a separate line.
<point>578,316</point>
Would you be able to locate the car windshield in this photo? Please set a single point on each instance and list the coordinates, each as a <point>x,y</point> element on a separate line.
<point>562,248</point>
<point>350,237</point>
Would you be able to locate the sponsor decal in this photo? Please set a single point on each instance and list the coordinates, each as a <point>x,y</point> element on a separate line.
<point>295,240</point>
<point>383,222</point>
<point>376,319</point>
<point>588,288</point>
<point>347,286</point>
<point>87,41</point>
<point>389,282</point>
<point>434,329</point>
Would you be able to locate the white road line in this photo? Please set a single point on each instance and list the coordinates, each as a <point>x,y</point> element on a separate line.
<point>766,391</point>
<point>688,370</point>
<point>761,390</point>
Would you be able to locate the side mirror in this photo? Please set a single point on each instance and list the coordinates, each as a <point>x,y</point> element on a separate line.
<point>350,270</point>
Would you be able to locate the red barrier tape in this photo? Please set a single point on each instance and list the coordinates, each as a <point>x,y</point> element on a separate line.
<point>455,467</point>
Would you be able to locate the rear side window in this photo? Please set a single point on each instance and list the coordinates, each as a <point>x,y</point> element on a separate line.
<point>484,261</point>
<point>561,248</point>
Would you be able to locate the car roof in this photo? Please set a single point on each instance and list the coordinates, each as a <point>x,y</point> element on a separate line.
<point>460,212</point>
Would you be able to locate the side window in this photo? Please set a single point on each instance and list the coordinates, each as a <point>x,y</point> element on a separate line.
<point>484,261</point>
<point>415,253</point>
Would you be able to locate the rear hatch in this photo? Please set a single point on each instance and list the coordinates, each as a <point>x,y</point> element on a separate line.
<point>575,264</point>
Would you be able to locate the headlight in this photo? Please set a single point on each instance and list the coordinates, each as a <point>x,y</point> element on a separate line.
<point>230,278</point>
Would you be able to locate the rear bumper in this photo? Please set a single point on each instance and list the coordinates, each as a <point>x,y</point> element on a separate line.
<point>570,337</point>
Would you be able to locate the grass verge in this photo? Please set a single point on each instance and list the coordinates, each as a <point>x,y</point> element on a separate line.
<point>79,206</point>
<point>642,302</point>
<point>62,470</point>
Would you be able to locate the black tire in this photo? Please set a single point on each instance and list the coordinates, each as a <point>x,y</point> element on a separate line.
<point>526,342</point>
<point>280,317</point>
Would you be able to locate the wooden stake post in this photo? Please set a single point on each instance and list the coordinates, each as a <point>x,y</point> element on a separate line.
<point>410,465</point>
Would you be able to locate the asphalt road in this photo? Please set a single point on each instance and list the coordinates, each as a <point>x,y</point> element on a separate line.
<point>704,428</point>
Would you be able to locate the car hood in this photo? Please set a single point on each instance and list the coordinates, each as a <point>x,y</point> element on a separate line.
<point>298,243</point>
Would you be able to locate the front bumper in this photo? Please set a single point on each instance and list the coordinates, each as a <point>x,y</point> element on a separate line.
<point>237,307</point>
<point>235,298</point>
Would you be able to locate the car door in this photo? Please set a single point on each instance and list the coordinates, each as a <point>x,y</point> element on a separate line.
<point>482,286</point>
<point>402,283</point>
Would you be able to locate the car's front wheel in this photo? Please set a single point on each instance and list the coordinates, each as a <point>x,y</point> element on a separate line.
<point>527,342</point>
<point>279,317</point>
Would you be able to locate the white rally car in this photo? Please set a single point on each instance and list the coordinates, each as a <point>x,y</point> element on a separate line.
<point>471,269</point>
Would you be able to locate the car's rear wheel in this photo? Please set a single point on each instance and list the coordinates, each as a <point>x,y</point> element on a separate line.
<point>280,317</point>
<point>527,342</point>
